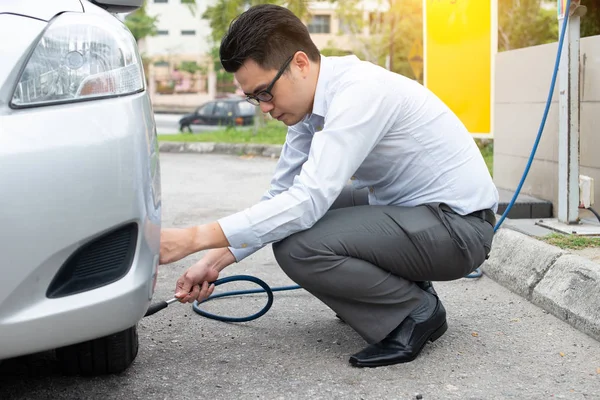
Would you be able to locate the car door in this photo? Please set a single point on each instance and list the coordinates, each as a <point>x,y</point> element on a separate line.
<point>222,113</point>
<point>244,113</point>
<point>204,115</point>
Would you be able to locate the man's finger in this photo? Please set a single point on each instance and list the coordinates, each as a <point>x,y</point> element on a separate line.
<point>203,291</point>
<point>179,293</point>
<point>194,295</point>
<point>184,285</point>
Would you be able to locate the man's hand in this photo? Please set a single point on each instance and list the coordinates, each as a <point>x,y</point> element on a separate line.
<point>176,243</point>
<point>195,284</point>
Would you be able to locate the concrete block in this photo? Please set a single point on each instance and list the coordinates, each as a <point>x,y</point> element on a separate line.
<point>253,149</point>
<point>200,147</point>
<point>570,290</point>
<point>525,206</point>
<point>518,261</point>
<point>272,151</point>
<point>237,149</point>
<point>521,210</point>
<point>171,147</point>
<point>230,148</point>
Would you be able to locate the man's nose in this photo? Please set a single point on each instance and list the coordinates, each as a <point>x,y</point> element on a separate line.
<point>265,107</point>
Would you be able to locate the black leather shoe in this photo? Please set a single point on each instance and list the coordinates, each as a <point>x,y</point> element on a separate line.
<point>405,342</point>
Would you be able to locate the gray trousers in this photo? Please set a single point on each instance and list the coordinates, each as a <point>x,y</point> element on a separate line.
<point>362,260</point>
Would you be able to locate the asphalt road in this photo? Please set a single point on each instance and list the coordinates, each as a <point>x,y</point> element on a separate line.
<point>498,345</point>
<point>167,124</point>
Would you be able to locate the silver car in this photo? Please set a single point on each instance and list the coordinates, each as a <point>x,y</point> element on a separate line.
<point>80,184</point>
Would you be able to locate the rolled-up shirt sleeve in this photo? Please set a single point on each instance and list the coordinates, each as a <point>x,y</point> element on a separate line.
<point>358,117</point>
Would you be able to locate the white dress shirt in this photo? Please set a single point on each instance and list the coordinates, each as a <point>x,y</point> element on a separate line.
<point>378,129</point>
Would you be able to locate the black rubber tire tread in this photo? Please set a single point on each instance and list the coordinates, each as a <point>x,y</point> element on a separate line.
<point>111,354</point>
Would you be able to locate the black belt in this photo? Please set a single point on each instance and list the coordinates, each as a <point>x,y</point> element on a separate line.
<point>486,215</point>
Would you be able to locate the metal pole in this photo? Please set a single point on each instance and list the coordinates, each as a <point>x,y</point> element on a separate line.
<point>568,132</point>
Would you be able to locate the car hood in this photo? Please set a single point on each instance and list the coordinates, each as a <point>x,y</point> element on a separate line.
<point>40,9</point>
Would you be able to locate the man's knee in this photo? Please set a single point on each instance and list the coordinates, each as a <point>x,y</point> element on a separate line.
<point>280,251</point>
<point>292,255</point>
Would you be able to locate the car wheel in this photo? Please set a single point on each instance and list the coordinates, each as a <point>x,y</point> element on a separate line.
<point>107,355</point>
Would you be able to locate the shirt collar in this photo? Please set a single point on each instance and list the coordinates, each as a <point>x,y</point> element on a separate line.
<point>325,73</point>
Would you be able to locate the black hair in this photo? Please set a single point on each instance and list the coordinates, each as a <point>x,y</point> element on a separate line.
<point>269,35</point>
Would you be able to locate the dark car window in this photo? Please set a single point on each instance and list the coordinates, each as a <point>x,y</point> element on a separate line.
<point>221,109</point>
<point>245,108</point>
<point>206,110</point>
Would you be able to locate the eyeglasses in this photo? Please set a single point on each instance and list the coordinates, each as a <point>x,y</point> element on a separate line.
<point>265,95</point>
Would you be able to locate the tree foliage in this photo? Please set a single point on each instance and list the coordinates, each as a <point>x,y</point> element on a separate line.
<point>590,23</point>
<point>394,30</point>
<point>141,24</point>
<point>391,32</point>
<point>400,28</point>
<point>524,23</point>
<point>223,12</point>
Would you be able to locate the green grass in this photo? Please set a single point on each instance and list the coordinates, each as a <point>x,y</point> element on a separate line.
<point>571,241</point>
<point>487,151</point>
<point>274,133</point>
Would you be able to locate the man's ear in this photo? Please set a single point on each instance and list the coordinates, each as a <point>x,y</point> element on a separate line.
<point>302,63</point>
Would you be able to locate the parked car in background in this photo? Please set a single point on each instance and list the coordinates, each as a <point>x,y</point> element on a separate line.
<point>225,112</point>
<point>80,207</point>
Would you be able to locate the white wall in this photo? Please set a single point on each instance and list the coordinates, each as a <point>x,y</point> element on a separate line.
<point>522,82</point>
<point>175,17</point>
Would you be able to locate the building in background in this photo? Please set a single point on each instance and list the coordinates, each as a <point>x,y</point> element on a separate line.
<point>181,70</point>
<point>331,31</point>
<point>181,33</point>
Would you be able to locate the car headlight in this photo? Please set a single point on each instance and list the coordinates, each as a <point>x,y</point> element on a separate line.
<point>80,57</point>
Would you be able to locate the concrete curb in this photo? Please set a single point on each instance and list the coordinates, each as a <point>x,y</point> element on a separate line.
<point>564,284</point>
<point>264,150</point>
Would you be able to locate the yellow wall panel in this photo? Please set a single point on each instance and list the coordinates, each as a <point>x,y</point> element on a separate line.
<point>459,46</point>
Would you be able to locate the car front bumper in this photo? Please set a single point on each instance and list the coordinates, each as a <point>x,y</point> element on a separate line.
<point>70,174</point>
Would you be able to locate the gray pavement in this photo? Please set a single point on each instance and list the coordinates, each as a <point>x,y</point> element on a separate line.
<point>167,124</point>
<point>498,346</point>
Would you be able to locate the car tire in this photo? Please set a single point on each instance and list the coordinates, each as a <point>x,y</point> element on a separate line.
<point>111,354</point>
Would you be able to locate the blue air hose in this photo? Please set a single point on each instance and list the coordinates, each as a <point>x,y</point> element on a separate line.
<point>269,290</point>
<point>265,288</point>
